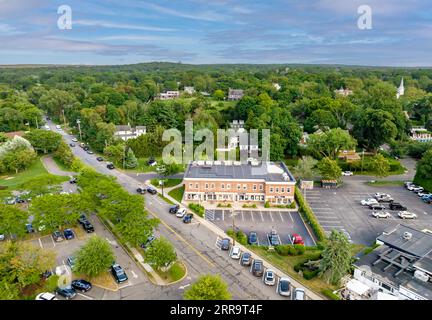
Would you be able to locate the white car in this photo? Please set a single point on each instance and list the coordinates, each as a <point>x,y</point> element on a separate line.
<point>58,126</point>
<point>347,173</point>
<point>417,189</point>
<point>411,187</point>
<point>181,213</point>
<point>47,127</point>
<point>74,140</point>
<point>368,202</point>
<point>299,294</point>
<point>422,194</point>
<point>381,214</point>
<point>269,277</point>
<point>407,215</point>
<point>46,296</point>
<point>235,252</point>
<point>2,237</point>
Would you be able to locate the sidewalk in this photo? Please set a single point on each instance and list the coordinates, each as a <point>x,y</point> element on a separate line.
<point>219,232</point>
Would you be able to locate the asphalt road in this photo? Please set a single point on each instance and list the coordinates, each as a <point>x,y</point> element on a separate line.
<point>195,244</point>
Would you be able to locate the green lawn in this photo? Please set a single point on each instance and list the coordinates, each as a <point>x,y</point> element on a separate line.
<point>177,193</point>
<point>61,165</point>
<point>168,182</point>
<point>36,169</point>
<point>384,183</point>
<point>142,166</point>
<point>176,272</point>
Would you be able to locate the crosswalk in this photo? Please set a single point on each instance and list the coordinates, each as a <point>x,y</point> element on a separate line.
<point>209,214</point>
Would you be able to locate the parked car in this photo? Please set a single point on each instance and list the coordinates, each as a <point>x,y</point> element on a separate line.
<point>148,242</point>
<point>73,180</point>
<point>173,209</point>
<point>347,173</point>
<point>235,252</point>
<point>246,259</point>
<point>29,228</point>
<point>188,218</point>
<point>71,261</point>
<point>89,151</point>
<point>74,140</point>
<point>297,239</point>
<point>407,215</point>
<point>381,214</point>
<point>100,159</point>
<point>141,190</point>
<point>269,277</point>
<point>88,227</point>
<point>19,200</point>
<point>397,206</point>
<point>253,238</point>
<point>151,190</point>
<point>284,287</point>
<point>383,197</point>
<point>407,183</point>
<point>225,244</point>
<point>417,189</point>
<point>110,165</point>
<point>82,219</point>
<point>118,273</point>
<point>368,202</point>
<point>66,292</point>
<point>376,206</point>
<point>152,162</point>
<point>299,294</point>
<point>2,237</point>
<point>58,126</point>
<point>257,268</point>
<point>46,296</point>
<point>81,285</point>
<point>86,148</point>
<point>72,145</point>
<point>181,213</point>
<point>427,199</point>
<point>423,194</point>
<point>273,237</point>
<point>411,186</point>
<point>68,234</point>
<point>57,236</point>
<point>10,200</point>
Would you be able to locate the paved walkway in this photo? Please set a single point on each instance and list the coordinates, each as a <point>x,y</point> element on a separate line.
<point>52,167</point>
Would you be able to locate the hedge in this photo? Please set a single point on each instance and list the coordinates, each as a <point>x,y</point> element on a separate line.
<point>199,210</point>
<point>425,183</point>
<point>239,236</point>
<point>309,216</point>
<point>290,250</point>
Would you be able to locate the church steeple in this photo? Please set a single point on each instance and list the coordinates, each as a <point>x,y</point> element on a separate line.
<point>401,89</point>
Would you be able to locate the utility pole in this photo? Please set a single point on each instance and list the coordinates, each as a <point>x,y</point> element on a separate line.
<point>79,128</point>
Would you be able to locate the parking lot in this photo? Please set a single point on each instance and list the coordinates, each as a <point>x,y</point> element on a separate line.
<point>340,209</point>
<point>262,222</point>
<point>67,248</point>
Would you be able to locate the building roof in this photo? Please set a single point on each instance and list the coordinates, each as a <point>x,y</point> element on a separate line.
<point>425,263</point>
<point>123,128</point>
<point>268,171</point>
<point>420,243</point>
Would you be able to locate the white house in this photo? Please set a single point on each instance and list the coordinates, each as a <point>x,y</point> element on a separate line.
<point>421,134</point>
<point>169,95</point>
<point>343,92</point>
<point>189,90</point>
<point>126,132</point>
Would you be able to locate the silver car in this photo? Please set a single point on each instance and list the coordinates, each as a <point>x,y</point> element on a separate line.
<point>269,277</point>
<point>284,287</point>
<point>299,294</point>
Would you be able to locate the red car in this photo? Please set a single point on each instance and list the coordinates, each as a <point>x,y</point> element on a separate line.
<point>297,239</point>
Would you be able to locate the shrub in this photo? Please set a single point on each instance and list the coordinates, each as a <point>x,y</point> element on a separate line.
<point>267,204</point>
<point>300,249</point>
<point>238,236</point>
<point>329,294</point>
<point>309,216</point>
<point>309,274</point>
<point>198,209</point>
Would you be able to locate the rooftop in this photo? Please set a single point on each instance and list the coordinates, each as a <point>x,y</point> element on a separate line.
<point>268,171</point>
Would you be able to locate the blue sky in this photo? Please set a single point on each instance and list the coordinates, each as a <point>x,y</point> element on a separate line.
<point>216,31</point>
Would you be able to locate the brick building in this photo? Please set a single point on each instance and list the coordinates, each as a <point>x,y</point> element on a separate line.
<point>229,182</point>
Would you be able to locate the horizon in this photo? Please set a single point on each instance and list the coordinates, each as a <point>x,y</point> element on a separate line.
<point>385,33</point>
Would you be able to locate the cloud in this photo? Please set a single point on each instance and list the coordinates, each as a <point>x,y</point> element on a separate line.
<point>114,25</point>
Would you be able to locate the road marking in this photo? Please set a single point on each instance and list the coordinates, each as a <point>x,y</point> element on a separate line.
<point>52,240</point>
<point>85,296</point>
<point>134,274</point>
<point>40,243</point>
<point>292,220</point>
<point>125,286</point>
<point>271,217</point>
<point>252,216</point>
<point>242,215</point>
<point>280,213</point>
<point>185,286</point>
<point>262,218</point>
<point>223,215</point>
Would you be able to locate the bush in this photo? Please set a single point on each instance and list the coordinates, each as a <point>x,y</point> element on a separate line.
<point>300,249</point>
<point>198,209</point>
<point>309,216</point>
<point>238,236</point>
<point>329,294</point>
<point>309,274</point>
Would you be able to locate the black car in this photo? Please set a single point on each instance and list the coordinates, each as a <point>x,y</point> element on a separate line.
<point>141,190</point>
<point>376,207</point>
<point>118,273</point>
<point>151,161</point>
<point>225,244</point>
<point>72,144</point>
<point>82,219</point>
<point>246,259</point>
<point>57,236</point>
<point>100,159</point>
<point>110,166</point>
<point>68,234</point>
<point>173,209</point>
<point>151,190</point>
<point>253,238</point>
<point>67,292</point>
<point>257,268</point>
<point>81,285</point>
<point>148,242</point>
<point>19,200</point>
<point>397,206</point>
<point>29,228</point>
<point>73,180</point>
<point>88,227</point>
<point>86,148</point>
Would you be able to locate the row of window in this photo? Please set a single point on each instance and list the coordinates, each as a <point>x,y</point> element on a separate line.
<point>239,187</point>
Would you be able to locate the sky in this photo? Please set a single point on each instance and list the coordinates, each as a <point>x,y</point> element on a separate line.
<point>217,31</point>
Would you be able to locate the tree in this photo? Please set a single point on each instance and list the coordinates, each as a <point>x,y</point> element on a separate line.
<point>336,258</point>
<point>56,101</point>
<point>136,227</point>
<point>208,287</point>
<point>305,168</point>
<point>130,160</point>
<point>380,165</point>
<point>115,153</point>
<point>329,169</point>
<point>218,94</point>
<point>95,257</point>
<point>44,140</point>
<point>161,253</point>
<point>424,166</point>
<point>18,160</point>
<point>12,220</point>
<point>330,143</point>
<point>277,147</point>
<point>104,136</point>
<point>64,154</point>
<point>21,264</point>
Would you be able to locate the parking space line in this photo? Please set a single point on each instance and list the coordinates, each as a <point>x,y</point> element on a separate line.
<point>53,241</point>
<point>242,215</point>
<point>40,243</point>
<point>223,215</point>
<point>85,296</point>
<point>292,220</point>
<point>280,213</point>
<point>252,216</point>
<point>271,217</point>
<point>262,218</point>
